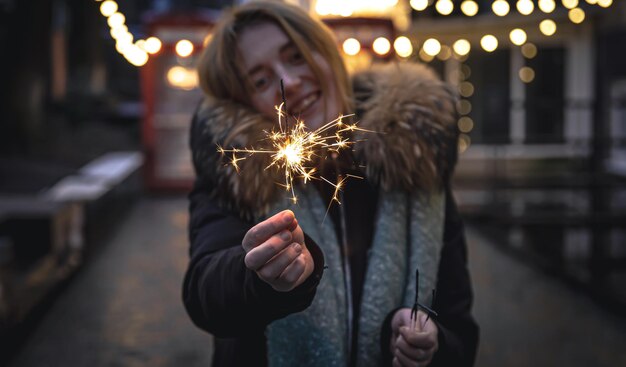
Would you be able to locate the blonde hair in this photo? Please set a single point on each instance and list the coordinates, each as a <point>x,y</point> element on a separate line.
<point>221,70</point>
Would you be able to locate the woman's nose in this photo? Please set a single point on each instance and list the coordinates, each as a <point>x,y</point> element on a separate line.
<point>291,79</point>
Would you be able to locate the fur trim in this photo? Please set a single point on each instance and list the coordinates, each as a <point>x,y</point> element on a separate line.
<point>413,146</point>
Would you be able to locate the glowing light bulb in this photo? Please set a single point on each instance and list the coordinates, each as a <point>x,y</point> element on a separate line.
<point>525,7</point>
<point>570,4</point>
<point>547,6</point>
<point>351,46</point>
<point>432,47</point>
<point>469,8</point>
<point>547,27</point>
<point>527,74</point>
<point>529,50</point>
<point>489,43</point>
<point>444,7</point>
<point>152,45</point>
<point>108,8</point>
<point>419,5</point>
<point>576,15</point>
<point>381,45</point>
<point>518,36</point>
<point>184,48</point>
<point>462,47</point>
<point>605,3</point>
<point>116,20</point>
<point>500,8</point>
<point>403,46</point>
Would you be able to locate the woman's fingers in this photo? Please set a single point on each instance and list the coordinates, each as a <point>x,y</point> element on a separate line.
<point>257,257</point>
<point>274,268</point>
<point>263,231</point>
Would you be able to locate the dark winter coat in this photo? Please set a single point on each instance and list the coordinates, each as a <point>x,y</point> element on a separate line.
<point>414,150</point>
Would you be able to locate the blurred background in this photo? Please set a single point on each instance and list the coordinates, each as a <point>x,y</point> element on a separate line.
<point>94,168</point>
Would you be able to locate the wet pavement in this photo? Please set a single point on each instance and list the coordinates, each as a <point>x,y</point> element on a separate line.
<point>124,307</point>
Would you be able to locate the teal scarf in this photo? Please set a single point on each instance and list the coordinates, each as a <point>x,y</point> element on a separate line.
<point>408,234</point>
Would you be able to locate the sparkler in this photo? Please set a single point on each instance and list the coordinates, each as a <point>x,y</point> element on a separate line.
<point>294,149</point>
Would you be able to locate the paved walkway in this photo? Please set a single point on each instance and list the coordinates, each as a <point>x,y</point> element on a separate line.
<point>124,308</point>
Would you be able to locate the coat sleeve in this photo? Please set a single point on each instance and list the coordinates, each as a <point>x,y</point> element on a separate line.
<point>458,331</point>
<point>220,294</point>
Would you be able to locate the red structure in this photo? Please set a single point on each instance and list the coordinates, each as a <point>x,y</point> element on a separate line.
<point>170,96</point>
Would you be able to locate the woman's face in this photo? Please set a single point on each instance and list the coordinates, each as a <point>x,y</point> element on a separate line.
<point>269,56</point>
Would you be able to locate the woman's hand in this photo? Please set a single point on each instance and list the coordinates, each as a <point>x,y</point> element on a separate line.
<point>276,251</point>
<point>412,347</point>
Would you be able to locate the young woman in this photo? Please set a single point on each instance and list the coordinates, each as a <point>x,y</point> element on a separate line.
<point>275,282</point>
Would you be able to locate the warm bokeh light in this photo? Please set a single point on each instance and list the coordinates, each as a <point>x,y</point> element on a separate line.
<point>464,142</point>
<point>184,48</point>
<point>424,56</point>
<point>183,78</point>
<point>153,45</point>
<point>108,8</point>
<point>576,15</point>
<point>547,27</point>
<point>462,47</point>
<point>489,43</point>
<point>525,7</point>
<point>605,3</point>
<point>403,46</point>
<point>529,51</point>
<point>466,89</point>
<point>466,71</point>
<point>570,4</point>
<point>445,53</point>
<point>547,6</point>
<point>116,20</point>
<point>466,124</point>
<point>136,56</point>
<point>381,46</point>
<point>527,74</point>
<point>444,7</point>
<point>469,8</point>
<point>419,5</point>
<point>431,47</point>
<point>500,8</point>
<point>118,31</point>
<point>518,36</point>
<point>464,107</point>
<point>351,46</point>
<point>592,2</point>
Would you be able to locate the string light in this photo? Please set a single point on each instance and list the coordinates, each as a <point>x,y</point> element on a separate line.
<point>518,36</point>
<point>351,46</point>
<point>525,7</point>
<point>403,46</point>
<point>152,45</point>
<point>527,74</point>
<point>605,3</point>
<point>500,8</point>
<point>529,50</point>
<point>569,4</point>
<point>469,8</point>
<point>108,8</point>
<point>489,43</point>
<point>184,48</point>
<point>576,15</point>
<point>431,47</point>
<point>381,46</point>
<point>444,7</point>
<point>419,5</point>
<point>462,47</point>
<point>465,124</point>
<point>547,27</point>
<point>547,6</point>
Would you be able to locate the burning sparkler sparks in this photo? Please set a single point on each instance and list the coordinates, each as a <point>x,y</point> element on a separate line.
<point>295,148</point>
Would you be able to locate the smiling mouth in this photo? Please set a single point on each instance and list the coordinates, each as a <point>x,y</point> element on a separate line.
<point>303,106</point>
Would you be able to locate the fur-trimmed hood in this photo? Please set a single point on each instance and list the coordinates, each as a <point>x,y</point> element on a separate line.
<point>413,145</point>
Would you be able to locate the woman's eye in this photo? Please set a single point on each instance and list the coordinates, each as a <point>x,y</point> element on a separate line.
<point>260,83</point>
<point>296,57</point>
